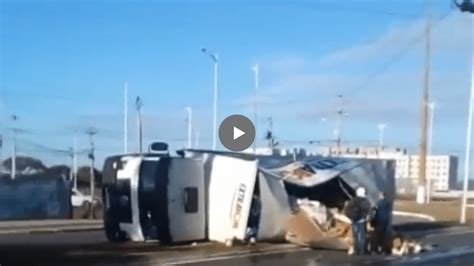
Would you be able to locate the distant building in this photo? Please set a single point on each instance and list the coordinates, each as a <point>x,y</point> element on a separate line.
<point>441,169</point>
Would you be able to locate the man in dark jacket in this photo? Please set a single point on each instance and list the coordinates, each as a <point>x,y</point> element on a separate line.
<point>358,210</point>
<point>381,224</point>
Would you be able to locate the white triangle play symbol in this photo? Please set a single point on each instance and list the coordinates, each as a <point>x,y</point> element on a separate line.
<point>238,133</point>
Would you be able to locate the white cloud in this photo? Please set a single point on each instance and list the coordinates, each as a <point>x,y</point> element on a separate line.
<point>382,46</point>
<point>304,89</point>
<point>284,63</point>
<point>450,35</point>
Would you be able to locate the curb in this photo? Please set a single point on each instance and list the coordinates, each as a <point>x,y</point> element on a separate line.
<point>51,230</point>
<point>416,215</point>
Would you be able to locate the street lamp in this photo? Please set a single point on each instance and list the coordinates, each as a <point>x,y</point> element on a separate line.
<point>189,120</point>
<point>255,68</point>
<point>138,106</point>
<point>15,130</point>
<point>214,118</point>
<point>381,128</point>
<point>467,6</point>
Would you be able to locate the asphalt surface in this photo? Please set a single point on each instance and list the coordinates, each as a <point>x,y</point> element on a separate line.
<point>453,246</point>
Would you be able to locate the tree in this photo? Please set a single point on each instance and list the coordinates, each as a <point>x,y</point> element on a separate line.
<point>58,170</point>
<point>25,165</point>
<point>83,176</point>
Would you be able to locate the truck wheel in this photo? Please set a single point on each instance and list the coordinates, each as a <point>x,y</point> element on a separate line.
<point>112,231</point>
<point>98,212</point>
<point>86,206</point>
<point>111,224</point>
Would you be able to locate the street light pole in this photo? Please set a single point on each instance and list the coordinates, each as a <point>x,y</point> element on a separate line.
<point>340,114</point>
<point>468,6</point>
<point>196,143</point>
<point>190,123</point>
<point>74,161</point>
<point>255,68</point>
<point>1,157</point>
<point>468,142</point>
<point>381,128</point>
<point>138,105</point>
<point>91,132</point>
<point>125,119</point>
<point>214,58</point>
<point>13,168</point>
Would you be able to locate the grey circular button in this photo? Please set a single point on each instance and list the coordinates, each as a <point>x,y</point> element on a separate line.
<point>237,132</point>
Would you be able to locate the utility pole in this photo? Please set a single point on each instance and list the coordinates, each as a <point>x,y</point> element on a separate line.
<point>13,170</point>
<point>91,132</point>
<point>1,157</point>
<point>196,144</point>
<point>215,59</point>
<point>255,68</point>
<point>270,133</point>
<point>74,161</point>
<point>468,6</point>
<point>71,171</point>
<point>381,128</point>
<point>138,105</point>
<point>340,113</point>
<point>421,191</point>
<point>431,106</point>
<point>272,143</point>
<point>125,119</point>
<point>190,126</point>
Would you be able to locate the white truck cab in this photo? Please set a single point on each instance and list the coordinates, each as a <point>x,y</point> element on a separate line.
<point>154,197</point>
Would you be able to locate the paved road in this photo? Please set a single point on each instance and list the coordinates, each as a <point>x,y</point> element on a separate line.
<point>455,245</point>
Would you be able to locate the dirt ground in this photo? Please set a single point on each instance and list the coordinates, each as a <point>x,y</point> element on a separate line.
<point>443,211</point>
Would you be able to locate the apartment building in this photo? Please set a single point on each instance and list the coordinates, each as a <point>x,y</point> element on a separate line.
<point>442,170</point>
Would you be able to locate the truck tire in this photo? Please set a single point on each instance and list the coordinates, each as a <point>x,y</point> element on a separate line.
<point>86,207</point>
<point>111,223</point>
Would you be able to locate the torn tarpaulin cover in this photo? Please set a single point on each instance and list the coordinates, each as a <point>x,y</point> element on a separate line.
<point>338,175</point>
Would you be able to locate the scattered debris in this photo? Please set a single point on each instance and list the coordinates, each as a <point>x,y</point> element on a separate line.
<point>304,230</point>
<point>404,245</point>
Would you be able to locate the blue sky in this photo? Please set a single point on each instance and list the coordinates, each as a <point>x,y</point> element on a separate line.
<point>63,65</point>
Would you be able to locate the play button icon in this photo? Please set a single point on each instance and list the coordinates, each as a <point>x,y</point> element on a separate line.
<point>237,132</point>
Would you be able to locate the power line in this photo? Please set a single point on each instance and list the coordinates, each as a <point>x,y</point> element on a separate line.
<point>395,58</point>
<point>351,9</point>
<point>34,94</point>
<point>382,69</point>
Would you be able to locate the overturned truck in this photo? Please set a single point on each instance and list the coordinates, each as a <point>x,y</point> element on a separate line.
<point>231,197</point>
